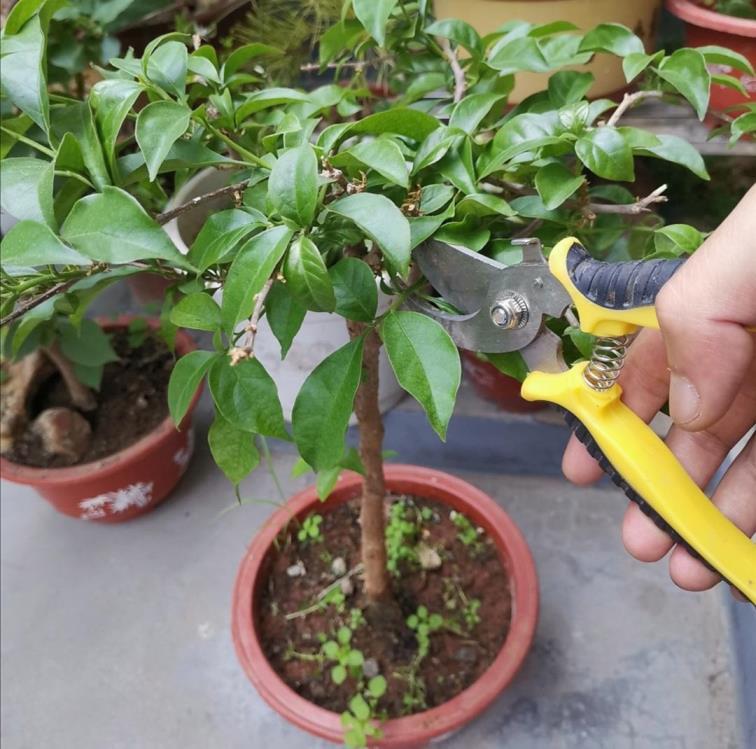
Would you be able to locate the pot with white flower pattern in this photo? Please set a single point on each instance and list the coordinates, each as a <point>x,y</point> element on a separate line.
<point>127,483</point>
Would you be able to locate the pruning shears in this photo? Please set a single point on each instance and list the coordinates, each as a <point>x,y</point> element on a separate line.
<point>505,308</point>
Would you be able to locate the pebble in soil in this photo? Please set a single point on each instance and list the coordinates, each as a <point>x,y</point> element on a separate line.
<point>459,651</point>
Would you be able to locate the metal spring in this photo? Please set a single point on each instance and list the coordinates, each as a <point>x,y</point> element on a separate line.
<point>606,362</point>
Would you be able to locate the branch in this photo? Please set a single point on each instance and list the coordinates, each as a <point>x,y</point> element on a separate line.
<point>460,84</point>
<point>245,349</point>
<point>357,569</point>
<point>630,100</point>
<point>314,67</point>
<point>631,209</point>
<point>22,309</point>
<point>166,216</point>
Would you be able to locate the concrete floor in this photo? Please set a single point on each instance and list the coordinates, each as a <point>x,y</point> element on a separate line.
<point>117,637</point>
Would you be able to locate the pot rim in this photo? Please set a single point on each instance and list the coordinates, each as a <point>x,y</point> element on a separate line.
<point>437,721</point>
<point>35,476</point>
<point>709,19</point>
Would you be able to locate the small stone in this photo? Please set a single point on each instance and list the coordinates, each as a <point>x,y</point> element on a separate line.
<point>296,570</point>
<point>370,668</point>
<point>338,567</point>
<point>346,585</point>
<point>428,557</point>
<point>63,432</point>
<point>141,402</point>
<point>465,654</point>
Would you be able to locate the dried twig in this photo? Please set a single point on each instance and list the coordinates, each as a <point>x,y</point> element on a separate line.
<point>314,67</point>
<point>529,229</point>
<point>166,216</point>
<point>628,209</point>
<point>460,84</point>
<point>22,309</point>
<point>630,100</point>
<point>356,570</point>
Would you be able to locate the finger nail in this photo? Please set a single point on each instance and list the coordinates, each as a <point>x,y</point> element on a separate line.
<point>684,400</point>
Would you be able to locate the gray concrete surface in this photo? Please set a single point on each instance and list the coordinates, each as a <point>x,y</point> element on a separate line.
<point>118,637</point>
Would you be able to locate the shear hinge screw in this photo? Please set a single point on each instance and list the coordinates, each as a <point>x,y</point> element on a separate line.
<point>510,312</point>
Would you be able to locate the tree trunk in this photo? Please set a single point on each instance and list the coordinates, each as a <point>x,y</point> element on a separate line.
<point>372,517</point>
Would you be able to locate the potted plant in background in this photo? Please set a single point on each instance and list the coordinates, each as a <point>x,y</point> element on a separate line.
<point>728,23</point>
<point>397,610</point>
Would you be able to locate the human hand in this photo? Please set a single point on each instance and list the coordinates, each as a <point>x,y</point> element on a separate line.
<point>704,362</point>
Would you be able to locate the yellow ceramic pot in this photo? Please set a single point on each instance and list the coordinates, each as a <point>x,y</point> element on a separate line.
<point>487,15</point>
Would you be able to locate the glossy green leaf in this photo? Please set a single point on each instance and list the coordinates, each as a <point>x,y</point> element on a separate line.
<point>355,288</point>
<point>112,227</point>
<point>374,15</point>
<point>678,151</point>
<point>425,362</point>
<point>307,276</point>
<point>339,37</point>
<point>435,197</point>
<point>434,148</point>
<point>636,62</point>
<point>24,81</point>
<point>111,100</point>
<point>638,138</point>
<point>518,55</point>
<point>26,189</point>
<point>159,125</point>
<point>269,97</point>
<point>285,315</point>
<point>203,67</point>
<point>167,67</point>
<point>197,311</point>
<point>242,55</point>
<point>377,686</point>
<point>468,232</point>
<point>686,71</point>
<point>743,125</point>
<point>30,243</point>
<point>78,121</point>
<point>252,267</point>
<point>569,86</point>
<point>715,55</point>
<point>607,154</point>
<point>470,111</point>
<point>483,204</point>
<point>246,396</point>
<point>511,364</point>
<point>678,239</point>
<point>555,183</point>
<point>385,157</point>
<point>423,227</point>
<point>219,235</point>
<point>411,123</point>
<point>19,14</point>
<point>233,450</point>
<point>87,344</point>
<point>326,481</point>
<point>293,184</point>
<point>457,31</point>
<point>324,404</point>
<point>457,167</point>
<point>612,38</point>
<point>382,222</point>
<point>359,707</point>
<point>186,376</point>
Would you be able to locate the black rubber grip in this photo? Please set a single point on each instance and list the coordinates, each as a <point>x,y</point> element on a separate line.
<point>619,285</point>
<point>582,433</point>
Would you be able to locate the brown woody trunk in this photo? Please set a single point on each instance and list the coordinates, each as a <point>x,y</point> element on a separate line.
<point>372,518</point>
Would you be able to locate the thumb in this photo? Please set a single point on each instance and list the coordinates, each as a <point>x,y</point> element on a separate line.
<point>703,311</point>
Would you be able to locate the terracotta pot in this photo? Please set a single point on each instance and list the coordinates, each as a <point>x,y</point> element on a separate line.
<point>497,387</point>
<point>415,730</point>
<point>148,288</point>
<point>488,15</point>
<point>704,27</point>
<point>126,484</point>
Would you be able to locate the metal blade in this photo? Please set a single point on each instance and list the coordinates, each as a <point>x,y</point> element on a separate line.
<point>544,354</point>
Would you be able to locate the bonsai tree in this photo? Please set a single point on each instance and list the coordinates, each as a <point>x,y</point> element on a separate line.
<point>330,190</point>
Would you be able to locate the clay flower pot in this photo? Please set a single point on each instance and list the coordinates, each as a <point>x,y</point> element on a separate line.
<point>415,730</point>
<point>495,386</point>
<point>126,484</point>
<point>704,27</point>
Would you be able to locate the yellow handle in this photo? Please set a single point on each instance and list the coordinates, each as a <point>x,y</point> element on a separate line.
<point>650,468</point>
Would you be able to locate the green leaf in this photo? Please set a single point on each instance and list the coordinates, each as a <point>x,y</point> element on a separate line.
<point>360,709</point>
<point>555,183</point>
<point>377,686</point>
<point>197,311</point>
<point>219,236</point>
<point>470,111</point>
<point>678,239</point>
<point>385,157</point>
<point>374,15</point>
<point>89,376</point>
<point>678,151</point>
<point>114,228</point>
<point>293,184</point>
<point>112,99</point>
<point>715,55</point>
<point>78,120</point>
<point>435,197</point>
<point>483,204</point>
<point>87,344</point>
<point>30,243</point>
<point>246,396</point>
<point>307,276</point>
<point>612,38</point>
<point>203,67</point>
<point>511,364</point>
<point>24,81</point>
<point>523,53</point>
<point>19,14</point>
<point>382,222</point>
<point>639,139</point>
<point>469,233</point>
<point>326,480</point>
<point>339,37</point>
<point>355,289</point>
<point>457,166</point>
<point>167,67</point>
<point>423,227</point>
<point>252,267</point>
<point>26,189</point>
<point>425,362</point>
<point>457,31</point>
<point>324,404</point>
<point>411,123</point>
<point>636,62</point>
<point>285,315</point>
<point>584,342</point>
<point>434,148</point>
<point>743,125</point>
<point>13,127</point>
<point>242,55</point>
<point>607,154</point>
<point>686,71</point>
<point>331,649</point>
<point>233,450</point>
<point>569,86</point>
<point>187,374</point>
<point>338,674</point>
<point>269,97</point>
<point>159,125</point>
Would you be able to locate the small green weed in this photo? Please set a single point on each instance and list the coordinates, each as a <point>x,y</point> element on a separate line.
<point>309,531</point>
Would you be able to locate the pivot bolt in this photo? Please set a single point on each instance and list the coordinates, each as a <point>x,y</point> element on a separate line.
<point>510,312</point>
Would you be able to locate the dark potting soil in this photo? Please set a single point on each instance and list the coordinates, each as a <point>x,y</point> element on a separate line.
<point>131,402</point>
<point>458,654</point>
